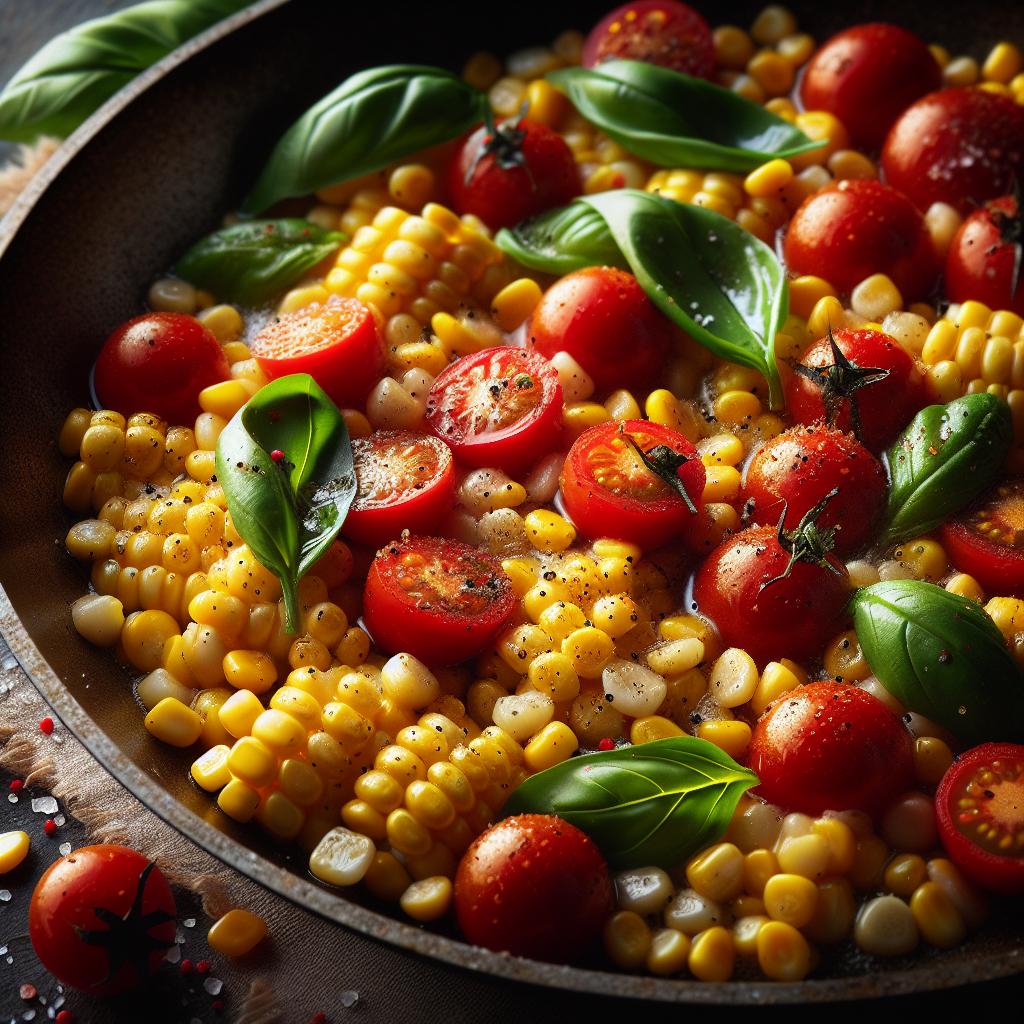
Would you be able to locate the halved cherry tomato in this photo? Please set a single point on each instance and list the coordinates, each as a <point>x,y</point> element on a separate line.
<point>336,342</point>
<point>799,467</point>
<point>499,407</point>
<point>661,32</point>
<point>831,747</point>
<point>984,259</point>
<point>608,491</point>
<point>102,919</point>
<point>987,539</point>
<point>406,482</point>
<point>980,810</point>
<point>159,363</point>
<point>440,600</point>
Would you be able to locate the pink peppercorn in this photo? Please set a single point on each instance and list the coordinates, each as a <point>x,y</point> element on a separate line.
<point>17,785</point>
<point>46,725</point>
<point>50,828</point>
<point>277,455</point>
<point>606,744</point>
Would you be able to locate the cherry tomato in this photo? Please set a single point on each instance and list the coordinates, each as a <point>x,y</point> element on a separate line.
<point>852,229</point>
<point>987,539</point>
<point>742,589</point>
<point>984,259</point>
<point>883,407</point>
<point>605,321</point>
<point>867,75</point>
<point>831,747</point>
<point>979,806</point>
<point>535,886</point>
<point>406,482</point>
<point>499,407</point>
<point>440,600</point>
<point>517,171</point>
<point>957,146</point>
<point>336,342</point>
<point>102,918</point>
<point>608,491</point>
<point>661,32</point>
<point>159,363</point>
<point>800,467</point>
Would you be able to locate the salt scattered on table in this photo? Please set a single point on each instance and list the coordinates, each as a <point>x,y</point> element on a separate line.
<point>189,922</point>
<point>59,819</point>
<point>349,998</point>
<point>173,955</point>
<point>5,895</point>
<point>64,848</point>
<point>44,805</point>
<point>213,986</point>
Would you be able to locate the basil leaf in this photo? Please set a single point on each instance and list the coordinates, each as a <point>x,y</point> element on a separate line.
<point>288,512</point>
<point>371,120</point>
<point>675,120</point>
<point>562,240</point>
<point>252,262</point>
<point>79,70</point>
<point>943,460</point>
<point>940,655</point>
<point>654,803</point>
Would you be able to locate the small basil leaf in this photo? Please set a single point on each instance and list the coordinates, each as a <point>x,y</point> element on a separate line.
<point>674,120</point>
<point>252,262</point>
<point>371,120</point>
<point>653,803</point>
<point>940,655</point>
<point>945,458</point>
<point>79,70</point>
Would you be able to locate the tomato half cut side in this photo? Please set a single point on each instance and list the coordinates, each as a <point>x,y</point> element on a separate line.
<point>439,600</point>
<point>499,407</point>
<point>980,810</point>
<point>987,540</point>
<point>608,491</point>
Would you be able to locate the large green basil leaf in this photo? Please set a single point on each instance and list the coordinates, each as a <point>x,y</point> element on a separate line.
<point>674,120</point>
<point>371,120</point>
<point>940,655</point>
<point>252,262</point>
<point>943,460</point>
<point>653,803</point>
<point>287,511</point>
<point>562,240</point>
<point>79,70</point>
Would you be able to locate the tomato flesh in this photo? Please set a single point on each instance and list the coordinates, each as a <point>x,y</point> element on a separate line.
<point>987,541</point>
<point>979,805</point>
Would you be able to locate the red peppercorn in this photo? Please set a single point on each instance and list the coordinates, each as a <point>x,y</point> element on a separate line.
<point>65,1017</point>
<point>606,744</point>
<point>17,785</point>
<point>46,725</point>
<point>203,967</point>
<point>50,828</point>
<point>28,992</point>
<point>185,966</point>
<point>277,455</point>
<point>318,1018</point>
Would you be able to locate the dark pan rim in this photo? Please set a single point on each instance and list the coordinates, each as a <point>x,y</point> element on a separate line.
<point>933,974</point>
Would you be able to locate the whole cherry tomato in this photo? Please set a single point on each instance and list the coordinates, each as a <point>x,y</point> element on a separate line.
<point>984,259</point>
<point>986,540</point>
<point>535,886</point>
<point>159,363</point>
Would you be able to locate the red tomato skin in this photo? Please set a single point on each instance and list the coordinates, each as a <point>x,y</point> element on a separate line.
<point>791,618</point>
<point>503,196</point>
<point>63,902</point>
<point>979,264</point>
<point>605,321</point>
<point>663,32</point>
<point>855,228</point>
<point>804,464</point>
<point>960,146</point>
<point>867,75</point>
<point>598,512</point>
<point>435,636</point>
<point>513,448</point>
<point>158,363</point>
<point>988,870</point>
<point>831,747</point>
<point>886,406</point>
<point>534,886</point>
<point>996,569</point>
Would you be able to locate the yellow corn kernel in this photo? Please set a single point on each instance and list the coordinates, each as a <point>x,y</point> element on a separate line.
<point>776,679</point>
<point>1006,323</point>
<point>946,379</point>
<point>403,765</point>
<point>589,649</point>
<point>406,681</point>
<point>940,922</point>
<point>652,727</point>
<point>428,899</point>
<point>250,670</point>
<point>926,558</point>
<point>1003,62</point>
<point>406,834</point>
<point>844,660</point>
<point>280,731</point>
<point>616,614</point>
<point>758,866</point>
<point>932,758</point>
<point>737,407</point>
<point>724,449</point>
<point>669,952</point>
<point>365,820</point>
<point>827,311</point>
<point>627,939</point>
<point>772,72</point>
<point>143,638</point>
<point>429,805</point>
<point>769,179</point>
<point>722,483</point>
<point>346,725</point>
<point>1008,615</point>
<point>280,816</point>
<point>717,872</point>
<point>712,955</point>
<point>210,770</point>
<point>515,302</point>
<point>236,933</point>
<point>253,761</point>
<point>238,800</point>
<point>733,47</point>
<point>522,572</point>
<point>731,736</point>
<point>664,408</point>
<point>555,743</point>
<point>790,898</point>
<point>300,782</point>
<point>940,344</point>
<point>548,531</point>
<point>840,842</point>
<point>386,877</point>
<point>806,855</point>
<point>174,723</point>
<point>782,952</point>
<point>238,713</point>
<point>553,674</point>
<point>14,848</point>
<point>580,416</point>
<point>821,127</point>
<point>904,873</point>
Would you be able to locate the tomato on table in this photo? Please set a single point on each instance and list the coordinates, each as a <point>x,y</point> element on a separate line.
<point>661,32</point>
<point>986,540</point>
<point>867,75</point>
<point>979,806</point>
<point>605,321</point>
<point>499,407</point>
<point>798,468</point>
<point>535,886</point>
<point>102,919</point>
<point>439,600</point>
<point>159,363</point>
<point>610,490</point>
<point>831,747</point>
<point>852,229</point>
<point>405,481</point>
<point>336,342</point>
<point>959,146</point>
<point>984,259</point>
<point>516,170</point>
